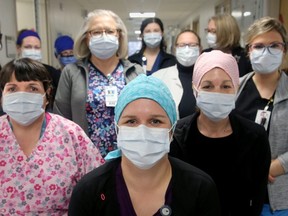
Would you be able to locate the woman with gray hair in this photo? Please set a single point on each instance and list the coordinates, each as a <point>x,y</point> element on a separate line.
<point>88,90</point>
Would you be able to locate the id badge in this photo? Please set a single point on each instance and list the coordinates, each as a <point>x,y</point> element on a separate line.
<point>111,96</point>
<point>263,118</point>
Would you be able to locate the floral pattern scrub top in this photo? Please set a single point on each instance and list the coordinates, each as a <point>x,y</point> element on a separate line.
<point>42,183</point>
<point>100,118</point>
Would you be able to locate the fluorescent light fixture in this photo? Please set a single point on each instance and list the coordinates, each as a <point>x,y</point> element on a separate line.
<point>137,32</point>
<point>247,13</point>
<point>142,15</point>
<point>236,14</point>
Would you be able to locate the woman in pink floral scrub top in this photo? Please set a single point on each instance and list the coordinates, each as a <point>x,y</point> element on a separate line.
<point>42,155</point>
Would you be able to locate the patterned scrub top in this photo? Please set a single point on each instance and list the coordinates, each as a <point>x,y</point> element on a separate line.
<point>101,126</point>
<point>42,183</point>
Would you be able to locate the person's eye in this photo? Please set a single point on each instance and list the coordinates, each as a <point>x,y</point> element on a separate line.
<point>206,87</point>
<point>130,122</point>
<point>34,89</point>
<point>28,47</point>
<point>155,122</point>
<point>227,86</point>
<point>276,45</point>
<point>96,32</point>
<point>258,46</point>
<point>11,89</point>
<point>110,31</point>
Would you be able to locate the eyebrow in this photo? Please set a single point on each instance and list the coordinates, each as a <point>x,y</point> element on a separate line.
<point>209,82</point>
<point>150,116</point>
<point>14,84</point>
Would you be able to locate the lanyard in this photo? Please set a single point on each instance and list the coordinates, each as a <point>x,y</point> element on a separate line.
<point>43,127</point>
<point>264,118</point>
<point>271,100</point>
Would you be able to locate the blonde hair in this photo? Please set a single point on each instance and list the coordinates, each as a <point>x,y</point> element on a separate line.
<point>264,25</point>
<point>227,31</point>
<point>81,50</point>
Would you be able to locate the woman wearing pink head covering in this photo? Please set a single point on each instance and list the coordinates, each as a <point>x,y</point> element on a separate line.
<point>232,150</point>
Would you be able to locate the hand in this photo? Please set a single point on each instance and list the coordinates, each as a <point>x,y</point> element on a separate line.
<point>276,169</point>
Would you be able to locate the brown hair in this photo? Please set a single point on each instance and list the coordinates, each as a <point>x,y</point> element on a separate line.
<point>25,69</point>
<point>227,31</point>
<point>264,25</point>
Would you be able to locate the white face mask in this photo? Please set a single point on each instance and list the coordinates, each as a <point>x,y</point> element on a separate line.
<point>104,47</point>
<point>187,56</point>
<point>152,40</point>
<point>23,107</point>
<point>143,146</point>
<point>211,39</point>
<point>216,106</point>
<point>32,54</point>
<point>265,62</point>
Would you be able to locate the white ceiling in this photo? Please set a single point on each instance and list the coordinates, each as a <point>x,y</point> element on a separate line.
<point>171,12</point>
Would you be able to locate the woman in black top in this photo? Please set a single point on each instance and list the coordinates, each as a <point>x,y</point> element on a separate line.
<point>152,55</point>
<point>232,150</point>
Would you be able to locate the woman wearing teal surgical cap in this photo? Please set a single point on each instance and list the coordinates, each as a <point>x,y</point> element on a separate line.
<point>145,180</point>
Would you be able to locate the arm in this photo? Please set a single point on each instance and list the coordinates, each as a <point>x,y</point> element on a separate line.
<point>209,204</point>
<point>78,203</point>
<point>276,169</point>
<point>261,167</point>
<point>62,103</point>
<point>87,155</point>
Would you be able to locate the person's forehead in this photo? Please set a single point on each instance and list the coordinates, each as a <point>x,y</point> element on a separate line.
<point>152,26</point>
<point>216,73</point>
<point>187,37</point>
<point>103,22</point>
<point>31,40</point>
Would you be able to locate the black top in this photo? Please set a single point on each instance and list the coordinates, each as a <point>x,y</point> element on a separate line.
<point>249,101</point>
<point>239,163</point>
<point>187,105</point>
<point>242,59</point>
<point>193,192</point>
<point>55,75</point>
<point>166,60</point>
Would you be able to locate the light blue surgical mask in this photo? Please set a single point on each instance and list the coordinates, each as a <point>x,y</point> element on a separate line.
<point>153,39</point>
<point>23,107</point>
<point>216,106</point>
<point>104,47</point>
<point>211,39</point>
<point>32,54</point>
<point>64,60</point>
<point>186,55</point>
<point>264,62</point>
<point>143,146</point>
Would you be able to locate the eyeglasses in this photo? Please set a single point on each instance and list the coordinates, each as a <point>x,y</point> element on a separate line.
<point>190,45</point>
<point>213,31</point>
<point>107,31</point>
<point>273,48</point>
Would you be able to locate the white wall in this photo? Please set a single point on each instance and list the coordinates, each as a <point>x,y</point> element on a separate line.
<point>7,27</point>
<point>202,14</point>
<point>65,17</point>
<point>27,11</point>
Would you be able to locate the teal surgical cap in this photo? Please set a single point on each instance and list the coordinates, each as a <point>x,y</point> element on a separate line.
<point>147,87</point>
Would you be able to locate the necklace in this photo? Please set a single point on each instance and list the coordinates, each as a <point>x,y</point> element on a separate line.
<point>216,132</point>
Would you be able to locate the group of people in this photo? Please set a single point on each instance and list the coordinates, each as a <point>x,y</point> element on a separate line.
<point>203,135</point>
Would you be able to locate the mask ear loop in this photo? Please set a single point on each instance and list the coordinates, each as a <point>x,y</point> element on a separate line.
<point>195,91</point>
<point>172,129</point>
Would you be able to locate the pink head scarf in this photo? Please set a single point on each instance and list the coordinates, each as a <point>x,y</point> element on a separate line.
<point>216,58</point>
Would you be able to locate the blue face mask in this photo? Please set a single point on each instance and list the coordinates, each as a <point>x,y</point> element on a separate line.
<point>64,60</point>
